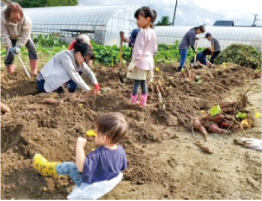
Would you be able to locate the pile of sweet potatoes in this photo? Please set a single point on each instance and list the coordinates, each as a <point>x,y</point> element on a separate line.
<point>220,123</point>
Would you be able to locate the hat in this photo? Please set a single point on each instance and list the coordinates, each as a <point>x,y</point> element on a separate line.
<point>207,35</point>
<point>85,39</point>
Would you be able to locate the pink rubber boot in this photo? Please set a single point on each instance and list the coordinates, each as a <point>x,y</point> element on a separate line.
<point>134,98</point>
<point>34,67</point>
<point>11,69</point>
<point>143,100</point>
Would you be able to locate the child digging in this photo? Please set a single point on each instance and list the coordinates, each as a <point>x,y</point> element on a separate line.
<point>106,163</point>
<point>142,64</point>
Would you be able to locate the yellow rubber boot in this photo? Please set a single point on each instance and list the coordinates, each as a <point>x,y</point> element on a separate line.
<point>44,167</point>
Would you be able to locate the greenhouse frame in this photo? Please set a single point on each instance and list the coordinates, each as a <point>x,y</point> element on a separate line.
<point>101,23</point>
<point>225,35</point>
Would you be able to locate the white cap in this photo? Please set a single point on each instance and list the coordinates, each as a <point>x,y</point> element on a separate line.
<point>85,38</point>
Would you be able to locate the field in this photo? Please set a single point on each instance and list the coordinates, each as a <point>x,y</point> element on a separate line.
<point>164,162</point>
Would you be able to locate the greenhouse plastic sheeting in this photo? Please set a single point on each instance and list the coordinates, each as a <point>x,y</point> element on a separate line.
<point>102,23</point>
<point>225,35</point>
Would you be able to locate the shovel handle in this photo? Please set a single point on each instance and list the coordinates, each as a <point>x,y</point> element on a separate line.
<point>26,71</point>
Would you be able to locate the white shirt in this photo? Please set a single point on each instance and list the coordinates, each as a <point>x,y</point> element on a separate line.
<point>62,68</point>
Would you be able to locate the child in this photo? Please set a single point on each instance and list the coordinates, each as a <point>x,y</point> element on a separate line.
<point>105,164</point>
<point>188,40</point>
<point>201,58</point>
<point>142,64</point>
<point>215,46</point>
<point>85,39</point>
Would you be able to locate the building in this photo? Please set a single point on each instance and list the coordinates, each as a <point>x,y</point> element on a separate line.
<point>224,23</point>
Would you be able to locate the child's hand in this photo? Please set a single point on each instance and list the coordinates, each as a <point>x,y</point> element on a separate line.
<point>81,142</point>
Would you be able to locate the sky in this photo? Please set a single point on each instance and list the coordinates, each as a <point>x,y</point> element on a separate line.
<point>197,12</point>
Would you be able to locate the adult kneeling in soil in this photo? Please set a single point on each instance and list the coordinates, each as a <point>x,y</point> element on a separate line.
<point>215,47</point>
<point>16,30</point>
<point>189,40</point>
<point>201,59</point>
<point>65,69</point>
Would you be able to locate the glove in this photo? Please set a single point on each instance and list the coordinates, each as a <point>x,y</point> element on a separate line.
<point>98,88</point>
<point>15,50</point>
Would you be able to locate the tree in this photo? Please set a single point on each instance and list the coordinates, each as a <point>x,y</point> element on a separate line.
<point>165,21</point>
<point>62,2</point>
<point>31,3</point>
<point>46,3</point>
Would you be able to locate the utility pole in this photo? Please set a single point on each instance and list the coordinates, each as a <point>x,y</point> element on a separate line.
<point>173,22</point>
<point>255,19</point>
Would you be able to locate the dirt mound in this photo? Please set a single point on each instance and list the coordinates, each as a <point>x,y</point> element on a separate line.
<point>51,129</point>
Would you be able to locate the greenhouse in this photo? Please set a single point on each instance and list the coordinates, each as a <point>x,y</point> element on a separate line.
<point>102,23</point>
<point>226,35</point>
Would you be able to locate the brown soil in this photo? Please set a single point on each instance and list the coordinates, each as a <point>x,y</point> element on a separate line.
<point>164,162</point>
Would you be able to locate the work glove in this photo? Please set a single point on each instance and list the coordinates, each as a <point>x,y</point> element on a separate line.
<point>97,87</point>
<point>15,50</point>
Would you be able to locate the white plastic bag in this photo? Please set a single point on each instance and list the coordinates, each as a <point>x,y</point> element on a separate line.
<point>250,143</point>
<point>95,190</point>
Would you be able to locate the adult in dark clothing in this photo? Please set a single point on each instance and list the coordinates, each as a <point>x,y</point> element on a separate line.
<point>215,47</point>
<point>201,59</point>
<point>189,41</point>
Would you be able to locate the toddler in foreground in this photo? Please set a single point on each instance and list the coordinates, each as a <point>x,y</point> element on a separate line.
<point>101,169</point>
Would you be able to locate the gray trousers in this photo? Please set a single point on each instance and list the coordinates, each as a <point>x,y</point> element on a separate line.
<point>10,57</point>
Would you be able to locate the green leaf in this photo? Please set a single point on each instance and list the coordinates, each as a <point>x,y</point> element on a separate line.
<point>241,115</point>
<point>215,110</point>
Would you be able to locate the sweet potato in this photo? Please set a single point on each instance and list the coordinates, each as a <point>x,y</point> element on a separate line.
<point>35,107</point>
<point>199,127</point>
<point>227,104</point>
<point>218,118</point>
<point>4,108</point>
<point>214,128</point>
<point>50,101</point>
<point>226,124</point>
<point>204,149</point>
<point>228,109</point>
